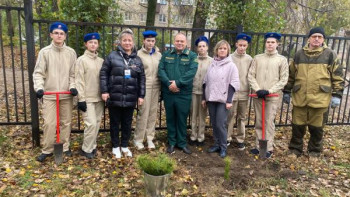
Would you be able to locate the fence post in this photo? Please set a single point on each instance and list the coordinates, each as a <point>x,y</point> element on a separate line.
<point>28,11</point>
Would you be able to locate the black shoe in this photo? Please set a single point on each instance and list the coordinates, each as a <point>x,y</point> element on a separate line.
<point>269,154</point>
<point>214,149</point>
<point>254,151</point>
<point>94,151</point>
<point>223,153</point>
<point>295,152</point>
<point>200,143</point>
<point>186,150</point>
<point>192,142</point>
<point>171,149</point>
<point>88,155</point>
<point>241,146</point>
<point>68,153</point>
<point>43,156</point>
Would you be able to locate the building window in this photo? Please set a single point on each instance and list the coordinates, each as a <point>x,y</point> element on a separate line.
<point>143,17</point>
<point>189,19</point>
<point>187,2</point>
<point>175,18</point>
<point>162,2</point>
<point>144,1</point>
<point>162,18</point>
<point>127,16</point>
<point>176,2</point>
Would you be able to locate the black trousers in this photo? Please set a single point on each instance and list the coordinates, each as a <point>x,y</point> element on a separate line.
<point>120,116</point>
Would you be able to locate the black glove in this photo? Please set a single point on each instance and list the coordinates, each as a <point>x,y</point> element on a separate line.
<point>82,106</point>
<point>40,94</point>
<point>262,93</point>
<point>73,91</point>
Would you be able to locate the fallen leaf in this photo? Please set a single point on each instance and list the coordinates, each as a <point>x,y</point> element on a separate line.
<point>184,192</point>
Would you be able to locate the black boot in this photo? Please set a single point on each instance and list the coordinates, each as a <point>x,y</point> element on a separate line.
<point>43,156</point>
<point>296,142</point>
<point>316,139</point>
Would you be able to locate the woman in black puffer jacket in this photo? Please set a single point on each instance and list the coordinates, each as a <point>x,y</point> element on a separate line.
<point>122,81</point>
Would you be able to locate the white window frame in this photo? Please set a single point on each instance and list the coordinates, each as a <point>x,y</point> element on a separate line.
<point>143,16</point>
<point>175,18</point>
<point>127,16</point>
<point>162,18</point>
<point>186,2</point>
<point>162,2</point>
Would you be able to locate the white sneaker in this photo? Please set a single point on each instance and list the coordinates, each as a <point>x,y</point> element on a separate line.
<point>116,152</point>
<point>126,151</point>
<point>139,145</point>
<point>151,145</point>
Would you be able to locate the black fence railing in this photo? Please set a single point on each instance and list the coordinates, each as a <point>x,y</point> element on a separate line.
<point>18,49</point>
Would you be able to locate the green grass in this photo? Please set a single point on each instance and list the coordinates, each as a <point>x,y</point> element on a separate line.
<point>26,181</point>
<point>227,161</point>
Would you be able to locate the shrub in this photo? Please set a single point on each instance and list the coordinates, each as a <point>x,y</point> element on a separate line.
<point>156,165</point>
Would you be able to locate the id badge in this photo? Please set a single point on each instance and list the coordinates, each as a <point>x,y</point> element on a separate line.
<point>127,74</point>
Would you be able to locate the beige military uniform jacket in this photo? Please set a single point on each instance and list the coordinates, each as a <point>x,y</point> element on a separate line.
<point>150,64</point>
<point>54,70</point>
<point>87,79</point>
<point>269,71</point>
<point>242,62</point>
<point>203,65</point>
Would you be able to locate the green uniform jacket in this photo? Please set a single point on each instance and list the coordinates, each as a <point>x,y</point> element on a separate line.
<point>314,76</point>
<point>179,67</point>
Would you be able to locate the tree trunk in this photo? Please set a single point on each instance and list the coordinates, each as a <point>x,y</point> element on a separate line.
<point>200,18</point>
<point>151,13</point>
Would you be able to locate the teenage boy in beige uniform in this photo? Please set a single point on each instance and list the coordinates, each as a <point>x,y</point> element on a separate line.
<point>268,74</point>
<point>146,118</point>
<point>87,80</point>
<point>199,113</point>
<point>54,72</point>
<point>240,98</point>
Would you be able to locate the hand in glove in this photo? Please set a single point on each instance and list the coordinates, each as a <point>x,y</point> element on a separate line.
<point>73,91</point>
<point>40,94</point>
<point>335,102</point>
<point>262,93</point>
<point>286,98</point>
<point>82,106</point>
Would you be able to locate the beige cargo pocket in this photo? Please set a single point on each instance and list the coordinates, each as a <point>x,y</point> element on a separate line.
<point>325,89</point>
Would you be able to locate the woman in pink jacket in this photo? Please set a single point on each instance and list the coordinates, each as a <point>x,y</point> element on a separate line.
<point>219,85</point>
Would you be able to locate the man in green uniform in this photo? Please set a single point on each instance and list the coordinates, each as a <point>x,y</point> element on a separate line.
<point>176,71</point>
<point>315,80</point>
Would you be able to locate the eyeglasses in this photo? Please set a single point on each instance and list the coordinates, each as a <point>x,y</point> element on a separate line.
<point>58,33</point>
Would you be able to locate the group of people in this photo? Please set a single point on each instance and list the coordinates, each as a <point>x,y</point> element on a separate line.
<point>188,82</point>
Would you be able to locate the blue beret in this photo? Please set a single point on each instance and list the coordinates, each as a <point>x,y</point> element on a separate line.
<point>200,39</point>
<point>58,25</point>
<point>273,35</point>
<point>149,34</point>
<point>91,36</point>
<point>242,36</point>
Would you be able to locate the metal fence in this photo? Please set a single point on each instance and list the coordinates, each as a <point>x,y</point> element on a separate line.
<point>18,49</point>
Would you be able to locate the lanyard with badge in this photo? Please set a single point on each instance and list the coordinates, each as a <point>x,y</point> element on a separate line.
<point>127,72</point>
